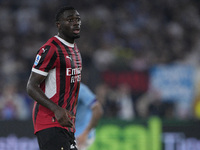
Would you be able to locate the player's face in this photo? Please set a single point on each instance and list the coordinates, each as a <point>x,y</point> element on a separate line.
<point>69,25</point>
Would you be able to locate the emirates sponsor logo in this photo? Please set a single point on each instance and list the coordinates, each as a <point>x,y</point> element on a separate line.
<point>75,74</point>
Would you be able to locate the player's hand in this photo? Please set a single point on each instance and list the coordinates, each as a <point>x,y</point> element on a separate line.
<point>64,117</point>
<point>81,140</point>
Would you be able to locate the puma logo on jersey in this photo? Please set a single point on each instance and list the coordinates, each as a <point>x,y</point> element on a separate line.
<point>69,57</point>
<point>43,49</point>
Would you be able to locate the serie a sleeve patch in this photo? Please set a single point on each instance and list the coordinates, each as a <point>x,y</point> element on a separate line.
<point>37,59</point>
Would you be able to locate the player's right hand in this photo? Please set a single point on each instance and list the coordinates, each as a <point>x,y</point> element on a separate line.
<point>81,140</point>
<point>64,117</point>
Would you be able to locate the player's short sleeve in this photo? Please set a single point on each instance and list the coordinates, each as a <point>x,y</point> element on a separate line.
<point>86,96</point>
<point>45,60</point>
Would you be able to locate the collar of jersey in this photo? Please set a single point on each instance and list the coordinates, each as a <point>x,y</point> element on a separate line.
<point>64,42</point>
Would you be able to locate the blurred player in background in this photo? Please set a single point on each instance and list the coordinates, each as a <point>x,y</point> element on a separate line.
<point>54,84</point>
<point>89,111</point>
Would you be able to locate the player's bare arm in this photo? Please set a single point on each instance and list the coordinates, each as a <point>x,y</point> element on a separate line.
<point>33,89</point>
<point>97,112</point>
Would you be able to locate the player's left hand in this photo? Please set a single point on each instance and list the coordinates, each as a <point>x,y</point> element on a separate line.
<point>64,117</point>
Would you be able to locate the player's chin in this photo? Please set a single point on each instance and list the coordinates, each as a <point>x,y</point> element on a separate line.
<point>76,36</point>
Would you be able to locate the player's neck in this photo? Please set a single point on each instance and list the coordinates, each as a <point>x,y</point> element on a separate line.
<point>69,40</point>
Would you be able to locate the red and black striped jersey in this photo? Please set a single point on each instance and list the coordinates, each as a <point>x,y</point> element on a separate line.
<point>61,63</point>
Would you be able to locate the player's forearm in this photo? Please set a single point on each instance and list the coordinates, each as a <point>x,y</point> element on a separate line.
<point>38,95</point>
<point>61,114</point>
<point>97,112</point>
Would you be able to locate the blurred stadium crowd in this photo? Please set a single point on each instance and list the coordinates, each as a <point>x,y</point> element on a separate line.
<point>117,36</point>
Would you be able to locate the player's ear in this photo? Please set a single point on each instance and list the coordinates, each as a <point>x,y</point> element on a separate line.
<point>58,24</point>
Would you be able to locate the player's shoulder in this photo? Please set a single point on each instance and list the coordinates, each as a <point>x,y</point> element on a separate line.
<point>83,86</point>
<point>49,45</point>
<point>52,42</point>
<point>84,89</point>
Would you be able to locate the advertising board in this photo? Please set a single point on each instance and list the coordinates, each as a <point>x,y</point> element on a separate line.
<point>112,134</point>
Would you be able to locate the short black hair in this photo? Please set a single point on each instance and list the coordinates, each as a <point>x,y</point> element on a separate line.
<point>62,10</point>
